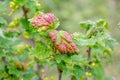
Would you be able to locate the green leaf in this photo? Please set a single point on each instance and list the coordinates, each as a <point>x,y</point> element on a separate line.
<point>31,5</point>
<point>3,8</point>
<point>66,73</point>
<point>109,78</point>
<point>58,58</point>
<point>2,21</point>
<point>14,71</point>
<point>97,49</point>
<point>86,24</point>
<point>7,42</point>
<point>91,31</point>
<point>41,52</point>
<point>79,73</point>
<point>21,2</point>
<point>29,74</point>
<point>98,72</point>
<point>85,42</point>
<point>25,23</point>
<point>103,23</point>
<point>77,58</point>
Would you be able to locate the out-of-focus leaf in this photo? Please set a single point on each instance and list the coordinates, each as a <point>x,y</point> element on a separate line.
<point>3,8</point>
<point>25,23</point>
<point>91,31</point>
<point>31,5</point>
<point>98,72</point>
<point>41,52</point>
<point>103,23</point>
<point>85,42</point>
<point>2,21</point>
<point>78,73</point>
<point>14,71</point>
<point>109,78</point>
<point>29,74</point>
<point>66,73</point>
<point>77,58</point>
<point>21,2</point>
<point>86,24</point>
<point>8,42</point>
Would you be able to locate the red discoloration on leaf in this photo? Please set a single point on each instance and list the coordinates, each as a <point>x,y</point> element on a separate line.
<point>67,36</point>
<point>44,20</point>
<point>65,45</point>
<point>53,35</point>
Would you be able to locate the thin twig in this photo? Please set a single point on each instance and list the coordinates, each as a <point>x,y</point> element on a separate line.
<point>59,74</point>
<point>38,71</point>
<point>25,12</point>
<point>5,60</point>
<point>38,68</point>
<point>89,53</point>
<point>88,56</point>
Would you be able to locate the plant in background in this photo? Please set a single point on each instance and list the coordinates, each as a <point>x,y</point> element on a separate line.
<point>99,46</point>
<point>28,45</point>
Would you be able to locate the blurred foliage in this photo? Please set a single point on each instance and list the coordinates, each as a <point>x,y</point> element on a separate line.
<point>74,11</point>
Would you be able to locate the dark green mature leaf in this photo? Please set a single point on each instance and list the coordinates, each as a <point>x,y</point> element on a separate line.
<point>25,23</point>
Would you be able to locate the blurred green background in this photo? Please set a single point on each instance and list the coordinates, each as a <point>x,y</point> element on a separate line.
<point>71,12</point>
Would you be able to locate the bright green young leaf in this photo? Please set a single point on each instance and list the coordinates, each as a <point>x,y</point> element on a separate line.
<point>86,24</point>
<point>103,23</point>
